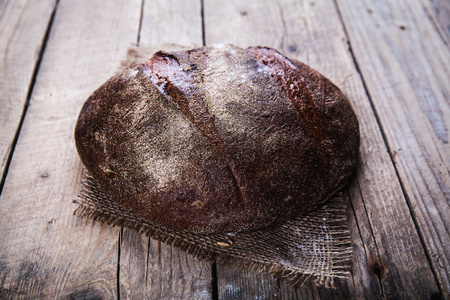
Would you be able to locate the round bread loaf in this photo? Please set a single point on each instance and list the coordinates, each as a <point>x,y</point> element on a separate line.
<point>218,139</point>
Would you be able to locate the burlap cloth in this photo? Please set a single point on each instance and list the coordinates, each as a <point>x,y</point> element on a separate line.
<point>314,245</point>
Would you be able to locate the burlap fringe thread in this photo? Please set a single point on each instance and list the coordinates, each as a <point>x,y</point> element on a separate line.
<point>316,244</point>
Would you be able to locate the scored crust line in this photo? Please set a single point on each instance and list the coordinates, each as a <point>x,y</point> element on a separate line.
<point>211,135</point>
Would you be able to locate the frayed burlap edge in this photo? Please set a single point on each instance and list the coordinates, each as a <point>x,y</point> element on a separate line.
<point>316,244</point>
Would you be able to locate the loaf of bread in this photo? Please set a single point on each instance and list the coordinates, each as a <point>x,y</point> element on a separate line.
<point>218,139</point>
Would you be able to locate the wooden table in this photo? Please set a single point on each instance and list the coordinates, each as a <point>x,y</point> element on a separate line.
<point>391,58</point>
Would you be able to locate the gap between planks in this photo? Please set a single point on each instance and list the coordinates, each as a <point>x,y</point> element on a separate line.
<point>28,97</point>
<point>393,138</point>
<point>383,134</point>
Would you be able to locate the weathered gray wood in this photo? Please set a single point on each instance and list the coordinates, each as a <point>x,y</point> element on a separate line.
<point>311,32</point>
<point>405,65</point>
<point>365,253</point>
<point>439,11</point>
<point>46,252</point>
<point>172,22</point>
<point>235,283</point>
<point>176,275</point>
<point>133,265</point>
<point>149,269</point>
<point>152,270</point>
<point>22,30</point>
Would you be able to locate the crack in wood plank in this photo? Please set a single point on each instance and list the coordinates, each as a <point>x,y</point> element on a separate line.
<point>140,22</point>
<point>362,240</point>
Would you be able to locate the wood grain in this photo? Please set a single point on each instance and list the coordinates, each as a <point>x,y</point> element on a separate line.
<point>176,275</point>
<point>171,22</point>
<point>149,269</point>
<point>46,252</point>
<point>408,81</point>
<point>309,31</point>
<point>152,270</point>
<point>243,284</point>
<point>23,25</point>
<point>133,265</point>
<point>439,12</point>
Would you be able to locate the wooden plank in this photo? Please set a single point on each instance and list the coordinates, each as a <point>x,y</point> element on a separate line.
<point>243,284</point>
<point>439,11</point>
<point>152,270</point>
<point>23,25</point>
<point>172,22</point>
<point>46,252</point>
<point>176,275</point>
<point>312,33</point>
<point>405,65</point>
<point>149,269</point>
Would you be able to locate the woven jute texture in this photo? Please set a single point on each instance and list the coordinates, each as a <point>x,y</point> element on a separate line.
<point>315,244</point>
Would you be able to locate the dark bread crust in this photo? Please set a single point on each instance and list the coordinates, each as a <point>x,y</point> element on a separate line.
<point>218,139</point>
